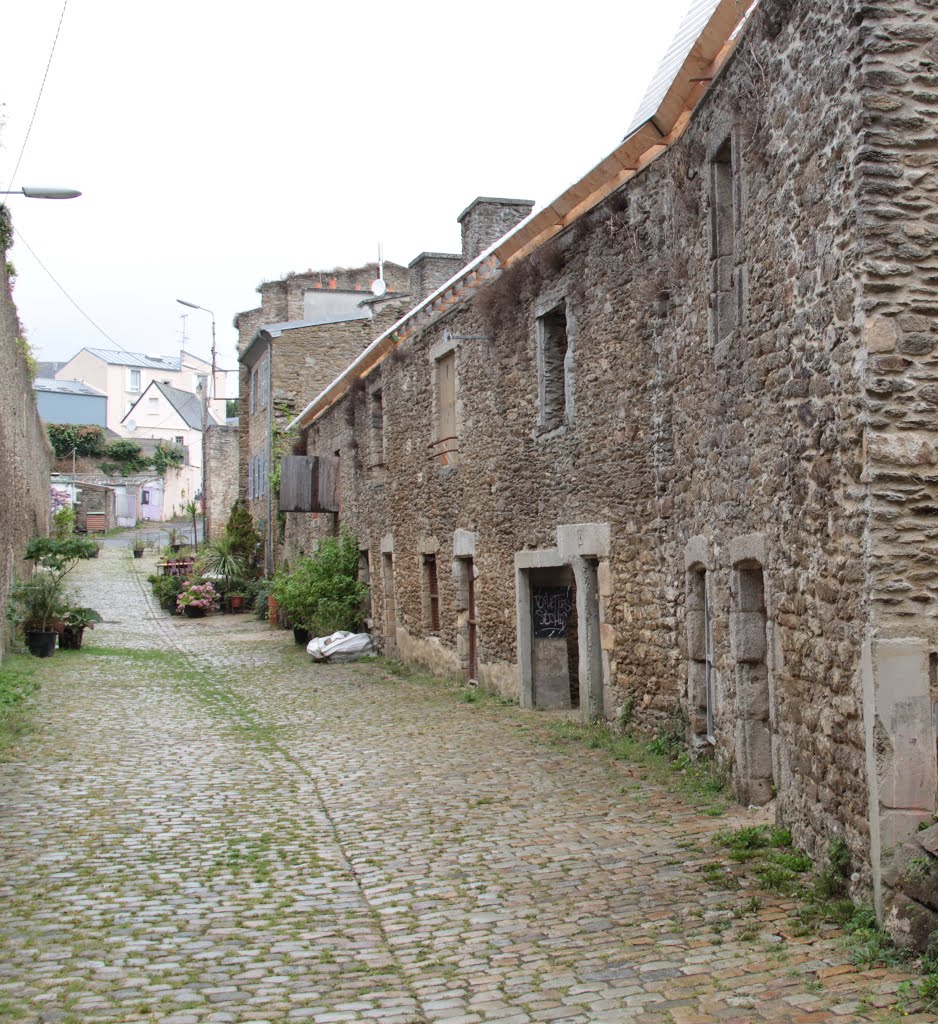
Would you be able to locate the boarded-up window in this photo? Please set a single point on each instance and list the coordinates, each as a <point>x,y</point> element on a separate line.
<point>309,483</point>
<point>553,348</point>
<point>446,445</point>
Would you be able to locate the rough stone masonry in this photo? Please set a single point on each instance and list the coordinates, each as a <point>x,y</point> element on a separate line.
<point>704,414</point>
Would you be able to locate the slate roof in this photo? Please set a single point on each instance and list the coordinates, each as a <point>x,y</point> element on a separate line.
<point>186,403</point>
<point>66,387</point>
<point>151,362</point>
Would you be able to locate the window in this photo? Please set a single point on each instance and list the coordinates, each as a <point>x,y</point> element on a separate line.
<point>553,354</point>
<point>144,497</point>
<point>432,592</point>
<point>700,658</point>
<point>446,445</point>
<point>179,439</point>
<point>253,390</point>
<point>153,406</point>
<point>263,381</point>
<point>134,381</point>
<point>726,272</point>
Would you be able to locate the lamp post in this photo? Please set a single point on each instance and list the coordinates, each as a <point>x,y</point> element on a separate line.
<point>36,192</point>
<point>205,520</point>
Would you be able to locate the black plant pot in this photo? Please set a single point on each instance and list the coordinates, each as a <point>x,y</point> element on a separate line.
<point>41,642</point>
<point>175,548</point>
<point>138,554</point>
<point>71,638</point>
<point>300,635</point>
<point>192,612</point>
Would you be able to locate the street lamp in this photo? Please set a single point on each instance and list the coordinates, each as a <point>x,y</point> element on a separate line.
<point>193,305</point>
<point>35,192</point>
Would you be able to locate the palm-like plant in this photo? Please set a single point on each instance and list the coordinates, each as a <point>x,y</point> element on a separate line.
<point>220,558</point>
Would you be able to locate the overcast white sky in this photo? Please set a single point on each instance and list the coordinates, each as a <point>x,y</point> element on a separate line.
<point>219,144</point>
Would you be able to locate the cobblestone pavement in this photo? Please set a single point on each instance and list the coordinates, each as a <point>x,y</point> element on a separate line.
<point>207,828</point>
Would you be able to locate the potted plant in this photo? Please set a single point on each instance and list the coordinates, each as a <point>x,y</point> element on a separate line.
<point>220,560</point>
<point>323,593</point>
<point>75,621</point>
<point>174,540</point>
<point>138,547</point>
<point>197,599</point>
<point>38,602</point>
<point>236,598</point>
<point>166,589</point>
<point>36,605</point>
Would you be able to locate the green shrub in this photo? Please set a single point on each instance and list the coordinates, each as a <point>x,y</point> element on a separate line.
<point>245,539</point>
<point>85,440</point>
<point>128,455</point>
<point>323,593</point>
<point>166,456</point>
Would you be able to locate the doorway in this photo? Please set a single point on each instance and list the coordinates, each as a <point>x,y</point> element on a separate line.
<point>554,644</point>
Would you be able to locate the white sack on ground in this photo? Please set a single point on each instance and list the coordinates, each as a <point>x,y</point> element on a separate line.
<point>340,646</point>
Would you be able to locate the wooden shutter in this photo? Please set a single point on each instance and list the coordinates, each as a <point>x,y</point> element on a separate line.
<point>309,483</point>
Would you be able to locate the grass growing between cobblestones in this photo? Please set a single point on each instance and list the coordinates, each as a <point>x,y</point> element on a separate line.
<point>18,682</point>
<point>823,904</point>
<point>664,760</point>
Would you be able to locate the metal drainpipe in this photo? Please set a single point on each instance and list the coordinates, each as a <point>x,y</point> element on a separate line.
<point>270,445</point>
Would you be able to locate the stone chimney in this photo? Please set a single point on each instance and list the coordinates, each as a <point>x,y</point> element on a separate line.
<point>485,220</point>
<point>431,269</point>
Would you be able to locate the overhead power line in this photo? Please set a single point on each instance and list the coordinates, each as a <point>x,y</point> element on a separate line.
<point>61,288</point>
<point>38,98</point>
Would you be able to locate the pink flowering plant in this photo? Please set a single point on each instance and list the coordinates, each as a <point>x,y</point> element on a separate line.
<point>198,595</point>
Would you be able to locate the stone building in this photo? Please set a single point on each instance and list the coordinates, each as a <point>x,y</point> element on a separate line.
<point>308,328</point>
<point>669,446</point>
<point>25,455</point>
<point>220,489</point>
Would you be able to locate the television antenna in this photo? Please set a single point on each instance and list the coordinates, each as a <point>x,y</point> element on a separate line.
<point>379,286</point>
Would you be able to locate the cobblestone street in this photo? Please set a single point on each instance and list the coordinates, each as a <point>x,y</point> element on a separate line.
<point>205,827</point>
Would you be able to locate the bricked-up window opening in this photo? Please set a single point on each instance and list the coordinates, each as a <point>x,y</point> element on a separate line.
<point>364,574</point>
<point>700,659</point>
<point>553,349</point>
<point>754,777</point>
<point>432,591</point>
<point>252,391</point>
<point>723,220</point>
<point>377,436</point>
<point>445,445</point>
<point>390,604</point>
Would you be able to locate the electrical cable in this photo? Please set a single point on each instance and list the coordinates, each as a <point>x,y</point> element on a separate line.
<point>61,288</point>
<point>38,98</point>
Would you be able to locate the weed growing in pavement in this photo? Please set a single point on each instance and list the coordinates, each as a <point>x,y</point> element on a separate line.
<point>663,757</point>
<point>17,684</point>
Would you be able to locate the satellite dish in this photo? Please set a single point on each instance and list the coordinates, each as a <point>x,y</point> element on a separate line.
<point>379,287</point>
<point>131,424</point>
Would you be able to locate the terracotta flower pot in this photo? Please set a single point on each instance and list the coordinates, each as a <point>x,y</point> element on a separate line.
<point>273,610</point>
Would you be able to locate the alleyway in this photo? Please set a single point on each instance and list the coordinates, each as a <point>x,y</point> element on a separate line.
<point>207,828</point>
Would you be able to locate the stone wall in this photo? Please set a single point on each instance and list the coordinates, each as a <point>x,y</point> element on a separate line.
<point>712,415</point>
<point>221,477</point>
<point>25,455</point>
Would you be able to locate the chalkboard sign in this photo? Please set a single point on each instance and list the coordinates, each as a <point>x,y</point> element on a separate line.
<point>551,607</point>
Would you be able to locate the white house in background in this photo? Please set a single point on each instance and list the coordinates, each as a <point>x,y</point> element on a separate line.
<point>167,414</point>
<point>125,376</point>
